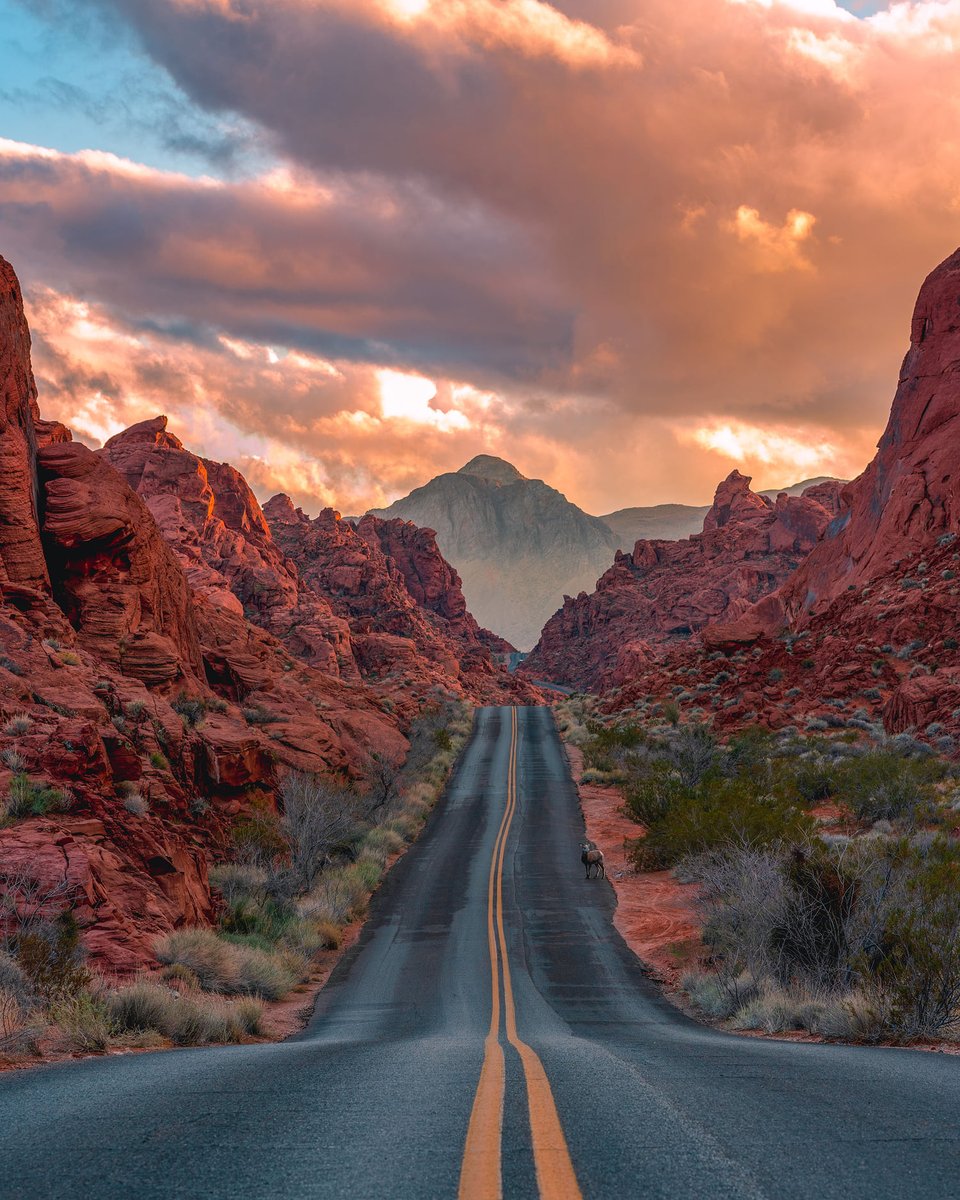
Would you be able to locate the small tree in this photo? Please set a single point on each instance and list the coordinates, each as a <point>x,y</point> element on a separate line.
<point>318,815</point>
<point>381,779</point>
<point>693,753</point>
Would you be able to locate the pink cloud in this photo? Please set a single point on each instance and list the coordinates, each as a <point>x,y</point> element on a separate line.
<point>622,221</point>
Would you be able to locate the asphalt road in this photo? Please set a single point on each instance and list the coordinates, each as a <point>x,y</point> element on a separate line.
<point>600,1087</point>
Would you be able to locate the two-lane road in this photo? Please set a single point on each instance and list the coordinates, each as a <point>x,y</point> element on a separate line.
<point>490,1030</point>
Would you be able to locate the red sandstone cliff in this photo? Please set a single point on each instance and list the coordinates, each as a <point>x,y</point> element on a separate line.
<point>866,627</point>
<point>148,623</point>
<point>665,592</point>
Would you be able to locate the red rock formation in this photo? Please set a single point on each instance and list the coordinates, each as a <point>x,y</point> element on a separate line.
<point>866,628</point>
<point>21,555</point>
<point>666,592</point>
<point>115,578</point>
<point>402,599</point>
<point>366,602</point>
<point>134,624</point>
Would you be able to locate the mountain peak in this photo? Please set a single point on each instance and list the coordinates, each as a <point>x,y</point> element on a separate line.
<point>488,466</point>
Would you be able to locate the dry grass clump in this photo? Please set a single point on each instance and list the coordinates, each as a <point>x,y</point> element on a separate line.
<point>226,967</point>
<point>19,724</point>
<point>148,1007</point>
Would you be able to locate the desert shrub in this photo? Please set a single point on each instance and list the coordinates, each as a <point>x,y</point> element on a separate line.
<point>330,935</point>
<point>917,965</point>
<point>721,811</point>
<point>141,1006</point>
<point>882,785</point>
<point>27,798</point>
<point>369,871</point>
<point>815,779</point>
<point>860,940</point>
<point>693,752</point>
<point>651,795</point>
<point>259,714</point>
<point>272,976</point>
<point>180,977</point>
<point>258,839</point>
<point>212,960</point>
<point>136,803</point>
<point>228,967</point>
<point>13,759</point>
<point>19,724</point>
<point>719,996</point>
<point>383,841</point>
<point>50,956</point>
<point>146,1006</point>
<point>248,1013</point>
<point>192,709</point>
<point>13,980</point>
<point>336,897</point>
<point>608,744</point>
<point>319,816</point>
<point>159,761</point>
<point>18,1026</point>
<point>84,1022</point>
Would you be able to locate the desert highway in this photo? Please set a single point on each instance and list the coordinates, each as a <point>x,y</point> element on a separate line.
<point>490,1034</point>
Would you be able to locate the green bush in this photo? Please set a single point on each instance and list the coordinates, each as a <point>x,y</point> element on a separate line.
<point>719,811</point>
<point>651,795</point>
<point>27,798</point>
<point>918,969</point>
<point>815,779</point>
<point>883,785</point>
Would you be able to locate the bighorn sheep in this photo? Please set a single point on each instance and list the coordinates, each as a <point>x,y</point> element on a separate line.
<point>590,856</point>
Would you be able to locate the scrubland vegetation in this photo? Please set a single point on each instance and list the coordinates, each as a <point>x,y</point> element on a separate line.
<point>828,868</point>
<point>290,884</point>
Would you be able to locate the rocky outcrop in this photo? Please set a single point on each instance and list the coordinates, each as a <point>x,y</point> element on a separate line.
<point>21,556</point>
<point>666,592</point>
<point>114,576</point>
<point>909,495</point>
<point>401,599</point>
<point>866,628</point>
<point>163,662</point>
<point>325,588</point>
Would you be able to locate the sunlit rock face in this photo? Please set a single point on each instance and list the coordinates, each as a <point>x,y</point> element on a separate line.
<point>164,661</point>
<point>667,591</point>
<point>866,627</point>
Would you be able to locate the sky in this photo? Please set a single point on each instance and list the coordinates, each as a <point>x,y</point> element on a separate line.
<point>348,244</point>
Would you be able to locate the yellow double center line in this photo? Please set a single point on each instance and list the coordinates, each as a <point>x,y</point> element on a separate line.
<point>480,1175</point>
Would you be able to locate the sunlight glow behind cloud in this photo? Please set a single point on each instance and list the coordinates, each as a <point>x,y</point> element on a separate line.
<point>407,398</point>
<point>628,244</point>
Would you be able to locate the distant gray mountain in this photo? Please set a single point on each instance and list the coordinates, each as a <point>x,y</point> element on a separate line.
<point>518,544</point>
<point>667,521</point>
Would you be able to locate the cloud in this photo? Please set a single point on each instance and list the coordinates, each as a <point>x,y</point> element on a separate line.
<point>623,221</point>
<point>346,266</point>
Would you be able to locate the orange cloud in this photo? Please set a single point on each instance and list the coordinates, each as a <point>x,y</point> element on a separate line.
<point>623,241</point>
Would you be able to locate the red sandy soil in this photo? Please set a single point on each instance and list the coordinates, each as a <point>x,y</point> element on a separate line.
<point>655,914</point>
